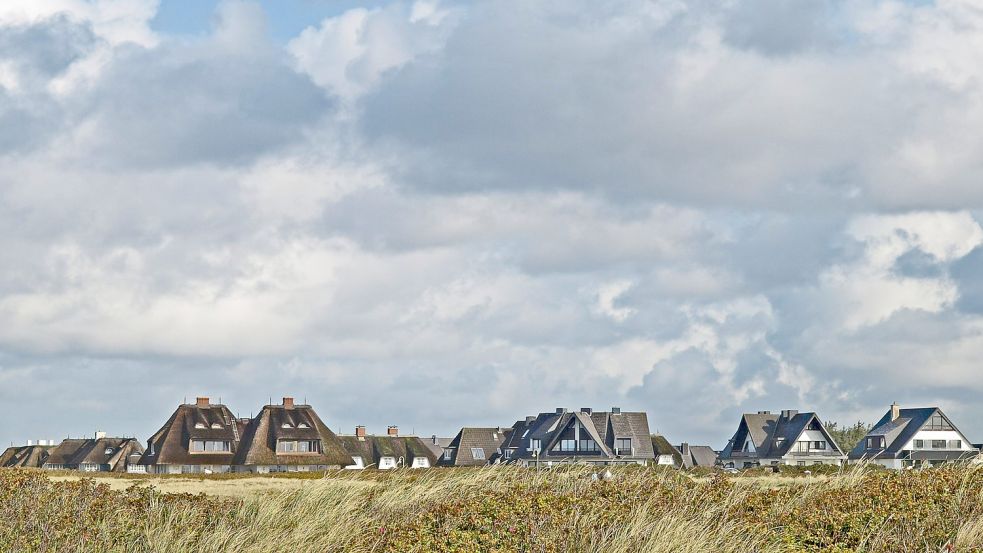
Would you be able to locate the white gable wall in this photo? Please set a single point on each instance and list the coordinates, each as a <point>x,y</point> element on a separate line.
<point>946,435</point>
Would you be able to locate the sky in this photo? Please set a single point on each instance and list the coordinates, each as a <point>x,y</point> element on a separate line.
<point>434,214</point>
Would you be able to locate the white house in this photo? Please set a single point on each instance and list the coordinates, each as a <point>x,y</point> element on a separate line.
<point>788,438</point>
<point>916,437</point>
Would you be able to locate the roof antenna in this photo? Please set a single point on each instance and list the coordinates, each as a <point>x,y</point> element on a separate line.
<point>185,400</point>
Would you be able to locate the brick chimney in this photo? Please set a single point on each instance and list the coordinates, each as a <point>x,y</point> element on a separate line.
<point>684,449</point>
<point>393,431</point>
<point>895,411</point>
<point>288,402</point>
<point>359,431</point>
<point>202,402</point>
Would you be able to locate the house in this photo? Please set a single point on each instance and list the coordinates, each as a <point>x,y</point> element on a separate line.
<point>98,454</point>
<point>387,452</point>
<point>788,438</point>
<point>27,456</point>
<point>202,437</point>
<point>584,436</point>
<point>665,453</point>
<point>438,445</point>
<point>288,438</point>
<point>697,455</point>
<point>475,447</point>
<point>916,437</point>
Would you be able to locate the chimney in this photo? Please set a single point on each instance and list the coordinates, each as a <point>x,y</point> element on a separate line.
<point>764,412</point>
<point>31,442</point>
<point>615,410</point>
<point>586,410</point>
<point>684,449</point>
<point>895,411</point>
<point>288,402</point>
<point>392,431</point>
<point>561,410</point>
<point>529,420</point>
<point>202,402</point>
<point>100,434</point>
<point>434,438</point>
<point>359,431</point>
<point>789,413</point>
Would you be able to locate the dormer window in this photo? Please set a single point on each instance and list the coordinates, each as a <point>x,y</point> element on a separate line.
<point>303,425</point>
<point>200,425</point>
<point>286,425</point>
<point>216,425</point>
<point>109,451</point>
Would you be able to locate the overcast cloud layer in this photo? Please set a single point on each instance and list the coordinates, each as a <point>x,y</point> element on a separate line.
<point>436,214</point>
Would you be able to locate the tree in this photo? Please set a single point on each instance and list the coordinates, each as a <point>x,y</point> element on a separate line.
<point>848,436</point>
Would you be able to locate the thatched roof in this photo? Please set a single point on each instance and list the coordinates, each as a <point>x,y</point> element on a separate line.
<point>205,421</point>
<point>289,422</point>
<point>662,447</point>
<point>32,456</point>
<point>94,451</point>
<point>372,448</point>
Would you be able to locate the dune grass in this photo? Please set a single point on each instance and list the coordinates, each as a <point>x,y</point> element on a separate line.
<point>499,509</point>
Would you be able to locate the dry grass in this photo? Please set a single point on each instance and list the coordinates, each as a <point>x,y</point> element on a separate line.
<point>496,509</point>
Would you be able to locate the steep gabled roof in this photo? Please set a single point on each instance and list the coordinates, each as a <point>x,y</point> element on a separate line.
<point>698,455</point>
<point>171,444</point>
<point>488,440</point>
<point>602,427</point>
<point>898,432</point>
<point>258,445</point>
<point>774,434</point>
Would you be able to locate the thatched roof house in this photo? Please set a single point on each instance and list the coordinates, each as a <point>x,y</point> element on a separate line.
<point>387,452</point>
<point>99,454</point>
<point>25,456</point>
<point>199,437</point>
<point>289,437</point>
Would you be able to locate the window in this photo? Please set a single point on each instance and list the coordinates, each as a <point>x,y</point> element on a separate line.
<point>302,446</point>
<point>200,425</point>
<point>955,444</point>
<point>801,463</point>
<point>109,451</point>
<point>303,425</point>
<point>938,444</point>
<point>358,462</point>
<point>919,444</point>
<point>420,463</point>
<point>623,446</point>
<point>779,442</point>
<point>937,422</point>
<point>286,425</point>
<point>216,425</point>
<point>566,445</point>
<point>210,446</point>
<point>507,454</point>
<point>387,463</point>
<point>588,445</point>
<point>448,454</point>
<point>875,442</point>
<point>818,445</point>
<point>478,454</point>
<point>534,445</point>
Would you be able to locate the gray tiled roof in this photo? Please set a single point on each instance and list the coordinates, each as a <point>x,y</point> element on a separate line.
<point>602,427</point>
<point>898,433</point>
<point>774,434</point>
<point>488,440</point>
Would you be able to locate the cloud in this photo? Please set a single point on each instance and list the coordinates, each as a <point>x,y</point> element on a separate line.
<point>472,212</point>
